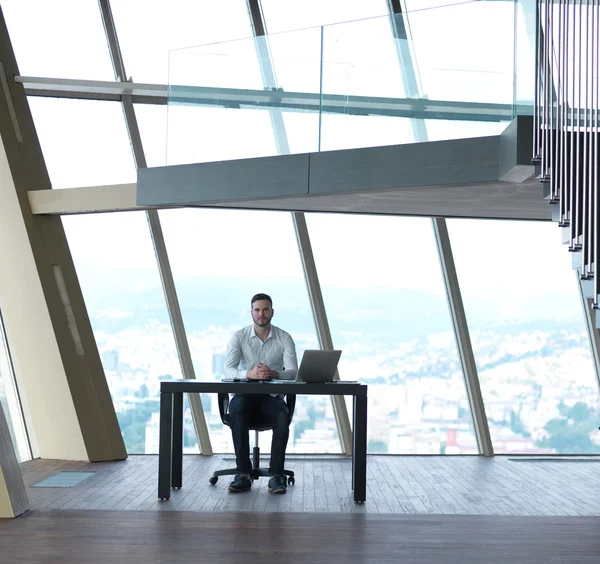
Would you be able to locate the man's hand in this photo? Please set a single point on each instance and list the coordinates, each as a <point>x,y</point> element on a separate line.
<point>262,372</point>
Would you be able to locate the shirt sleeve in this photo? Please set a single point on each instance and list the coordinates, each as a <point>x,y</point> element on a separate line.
<point>232,358</point>
<point>290,361</point>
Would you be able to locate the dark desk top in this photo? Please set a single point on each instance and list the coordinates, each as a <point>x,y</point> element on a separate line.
<point>278,387</point>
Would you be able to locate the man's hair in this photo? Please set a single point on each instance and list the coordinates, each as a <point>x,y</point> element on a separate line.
<point>259,297</point>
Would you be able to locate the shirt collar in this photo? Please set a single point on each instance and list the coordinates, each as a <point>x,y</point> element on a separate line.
<point>253,332</point>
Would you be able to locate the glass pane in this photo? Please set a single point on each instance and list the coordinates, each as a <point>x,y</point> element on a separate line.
<point>233,122</point>
<point>11,404</point>
<point>284,15</point>
<point>84,142</point>
<point>387,310</point>
<point>152,122</point>
<point>472,57</point>
<point>60,39</point>
<point>220,259</point>
<point>119,277</point>
<point>528,335</point>
<point>148,30</point>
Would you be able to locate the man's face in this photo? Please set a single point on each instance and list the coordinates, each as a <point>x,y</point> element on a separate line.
<point>262,312</point>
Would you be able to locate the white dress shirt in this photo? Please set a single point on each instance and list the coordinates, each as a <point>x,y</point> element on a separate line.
<point>245,350</point>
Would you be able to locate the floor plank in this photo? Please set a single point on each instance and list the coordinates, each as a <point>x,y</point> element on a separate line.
<point>179,537</point>
<point>434,485</point>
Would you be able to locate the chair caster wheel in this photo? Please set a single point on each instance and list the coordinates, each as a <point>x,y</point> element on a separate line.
<point>213,480</point>
<point>291,480</point>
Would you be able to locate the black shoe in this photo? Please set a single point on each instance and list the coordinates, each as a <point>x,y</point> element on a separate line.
<point>278,484</point>
<point>241,483</point>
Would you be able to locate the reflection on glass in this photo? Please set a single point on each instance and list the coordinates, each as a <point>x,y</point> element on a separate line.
<point>220,259</point>
<point>11,406</point>
<point>149,29</point>
<point>528,335</point>
<point>84,142</point>
<point>285,15</point>
<point>61,39</point>
<point>355,84</point>
<point>119,278</point>
<point>388,313</point>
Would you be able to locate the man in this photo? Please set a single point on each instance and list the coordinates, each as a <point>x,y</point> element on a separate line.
<point>266,353</point>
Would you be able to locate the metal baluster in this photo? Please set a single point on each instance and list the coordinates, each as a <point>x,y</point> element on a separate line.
<point>590,136</point>
<point>565,197</point>
<point>577,187</point>
<point>584,171</point>
<point>572,190</point>
<point>596,81</point>
<point>546,94</point>
<point>536,153</point>
<point>551,133</point>
<point>559,102</point>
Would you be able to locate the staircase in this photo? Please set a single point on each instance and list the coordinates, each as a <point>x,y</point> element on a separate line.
<point>566,132</point>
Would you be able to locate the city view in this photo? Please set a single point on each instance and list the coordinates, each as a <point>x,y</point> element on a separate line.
<point>536,376</point>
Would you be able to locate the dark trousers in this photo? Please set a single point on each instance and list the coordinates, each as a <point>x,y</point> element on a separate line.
<point>247,408</point>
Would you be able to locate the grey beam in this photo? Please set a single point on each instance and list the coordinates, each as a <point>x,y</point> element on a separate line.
<point>463,339</point>
<point>156,234</point>
<point>304,246</point>
<point>261,99</point>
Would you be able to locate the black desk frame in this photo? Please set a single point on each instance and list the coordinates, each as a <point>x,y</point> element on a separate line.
<point>170,456</point>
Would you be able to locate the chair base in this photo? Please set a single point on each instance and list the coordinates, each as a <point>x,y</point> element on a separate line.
<point>255,473</point>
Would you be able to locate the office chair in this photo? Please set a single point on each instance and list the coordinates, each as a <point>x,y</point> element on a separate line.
<point>258,424</point>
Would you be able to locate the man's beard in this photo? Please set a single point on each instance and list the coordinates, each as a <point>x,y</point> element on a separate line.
<point>262,323</point>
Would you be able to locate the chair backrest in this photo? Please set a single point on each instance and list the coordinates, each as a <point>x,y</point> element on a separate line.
<point>254,425</point>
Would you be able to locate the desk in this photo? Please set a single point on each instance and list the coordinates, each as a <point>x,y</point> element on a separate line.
<point>170,454</point>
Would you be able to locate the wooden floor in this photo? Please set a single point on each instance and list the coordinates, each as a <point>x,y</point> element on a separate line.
<point>135,537</point>
<point>395,485</point>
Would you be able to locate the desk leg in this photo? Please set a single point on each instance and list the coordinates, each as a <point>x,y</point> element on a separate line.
<point>165,444</point>
<point>177,460</point>
<point>359,449</point>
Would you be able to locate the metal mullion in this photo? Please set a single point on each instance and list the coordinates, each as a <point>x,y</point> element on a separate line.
<point>463,339</point>
<point>322,324</point>
<point>592,332</point>
<point>156,234</point>
<point>304,246</point>
<point>444,249</point>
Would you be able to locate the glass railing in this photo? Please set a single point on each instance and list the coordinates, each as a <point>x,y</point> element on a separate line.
<point>428,75</point>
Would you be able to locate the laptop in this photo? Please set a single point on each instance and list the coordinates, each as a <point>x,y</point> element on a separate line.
<point>318,366</point>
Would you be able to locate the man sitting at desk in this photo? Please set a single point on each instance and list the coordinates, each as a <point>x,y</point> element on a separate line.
<point>266,352</point>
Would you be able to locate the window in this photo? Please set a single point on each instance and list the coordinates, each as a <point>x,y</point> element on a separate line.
<point>388,313</point>
<point>121,285</point>
<point>528,335</point>
<point>84,142</point>
<point>220,259</point>
<point>149,29</point>
<point>59,39</point>
<point>11,406</point>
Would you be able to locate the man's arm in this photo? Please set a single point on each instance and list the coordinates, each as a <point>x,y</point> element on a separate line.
<point>290,361</point>
<point>232,358</point>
